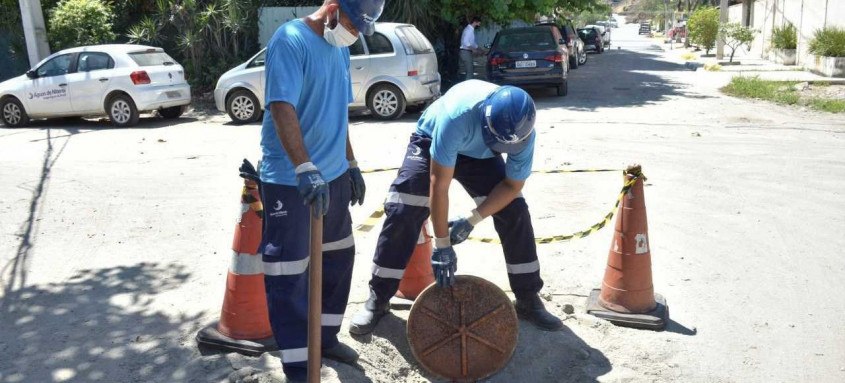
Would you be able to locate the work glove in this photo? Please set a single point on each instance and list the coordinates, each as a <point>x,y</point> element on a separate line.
<point>312,188</point>
<point>444,264</point>
<point>460,229</point>
<point>358,186</point>
<point>247,171</point>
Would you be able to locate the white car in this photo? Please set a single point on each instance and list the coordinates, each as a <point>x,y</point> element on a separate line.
<point>120,81</point>
<point>391,70</point>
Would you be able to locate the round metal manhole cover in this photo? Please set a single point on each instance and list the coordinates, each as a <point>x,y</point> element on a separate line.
<point>465,333</point>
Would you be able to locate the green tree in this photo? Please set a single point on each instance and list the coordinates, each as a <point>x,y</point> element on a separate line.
<point>703,27</point>
<point>735,35</point>
<point>80,22</point>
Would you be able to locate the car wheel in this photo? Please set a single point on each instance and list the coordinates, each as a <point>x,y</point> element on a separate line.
<point>386,102</point>
<point>563,89</point>
<point>13,113</point>
<point>122,111</point>
<point>173,112</point>
<point>573,61</point>
<point>583,58</point>
<point>243,107</point>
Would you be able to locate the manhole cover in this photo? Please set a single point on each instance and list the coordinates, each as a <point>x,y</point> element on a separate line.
<point>465,333</point>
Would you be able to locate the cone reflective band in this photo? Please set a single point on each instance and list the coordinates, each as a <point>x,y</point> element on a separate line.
<point>418,274</point>
<point>244,324</point>
<point>626,297</point>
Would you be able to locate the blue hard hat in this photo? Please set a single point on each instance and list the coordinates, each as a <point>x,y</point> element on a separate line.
<point>508,116</point>
<point>363,13</point>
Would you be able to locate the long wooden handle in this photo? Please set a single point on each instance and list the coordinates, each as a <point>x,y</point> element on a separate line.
<point>315,299</point>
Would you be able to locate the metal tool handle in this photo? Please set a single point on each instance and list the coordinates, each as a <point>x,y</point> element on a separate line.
<point>315,299</point>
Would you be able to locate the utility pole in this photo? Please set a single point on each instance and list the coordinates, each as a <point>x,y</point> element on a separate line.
<point>723,18</point>
<point>34,31</point>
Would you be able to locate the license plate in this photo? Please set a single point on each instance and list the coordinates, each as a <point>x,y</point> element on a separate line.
<point>526,64</point>
<point>174,94</point>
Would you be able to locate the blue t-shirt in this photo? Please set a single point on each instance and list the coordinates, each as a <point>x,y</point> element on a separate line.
<point>454,124</point>
<point>303,70</point>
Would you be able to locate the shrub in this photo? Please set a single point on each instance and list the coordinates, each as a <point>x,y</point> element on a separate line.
<point>704,27</point>
<point>735,35</point>
<point>80,22</point>
<point>828,42</point>
<point>785,37</point>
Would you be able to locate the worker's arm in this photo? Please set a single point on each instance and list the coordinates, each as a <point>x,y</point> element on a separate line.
<point>502,195</point>
<point>289,132</point>
<point>441,177</point>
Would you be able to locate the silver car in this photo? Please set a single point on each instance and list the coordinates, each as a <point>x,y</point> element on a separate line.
<point>394,69</point>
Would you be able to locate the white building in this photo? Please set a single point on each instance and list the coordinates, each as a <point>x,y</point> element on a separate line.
<point>806,15</point>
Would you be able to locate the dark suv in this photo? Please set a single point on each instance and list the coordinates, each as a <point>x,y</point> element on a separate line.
<point>529,56</point>
<point>574,45</point>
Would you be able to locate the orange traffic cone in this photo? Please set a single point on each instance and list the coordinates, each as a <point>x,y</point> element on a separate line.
<point>627,296</point>
<point>244,324</point>
<point>418,274</point>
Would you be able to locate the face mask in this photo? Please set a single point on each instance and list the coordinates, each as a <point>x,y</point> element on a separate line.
<point>339,36</point>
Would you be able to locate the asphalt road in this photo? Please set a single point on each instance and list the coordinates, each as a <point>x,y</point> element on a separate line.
<point>114,243</point>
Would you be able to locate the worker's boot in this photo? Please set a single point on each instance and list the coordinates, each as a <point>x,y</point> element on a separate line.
<point>364,321</point>
<point>341,353</point>
<point>530,307</point>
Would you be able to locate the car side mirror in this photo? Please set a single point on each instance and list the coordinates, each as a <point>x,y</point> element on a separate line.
<point>31,74</point>
<point>488,46</point>
<point>562,42</point>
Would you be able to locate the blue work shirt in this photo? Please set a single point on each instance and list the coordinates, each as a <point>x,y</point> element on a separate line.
<point>454,124</point>
<point>304,70</point>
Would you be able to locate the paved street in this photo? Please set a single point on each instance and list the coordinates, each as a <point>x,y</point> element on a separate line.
<point>114,243</point>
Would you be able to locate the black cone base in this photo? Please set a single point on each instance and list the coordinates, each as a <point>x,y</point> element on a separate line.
<point>210,337</point>
<point>653,320</point>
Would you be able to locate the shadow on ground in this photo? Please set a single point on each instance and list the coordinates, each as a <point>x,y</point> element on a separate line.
<point>99,326</point>
<point>617,79</point>
<point>540,356</point>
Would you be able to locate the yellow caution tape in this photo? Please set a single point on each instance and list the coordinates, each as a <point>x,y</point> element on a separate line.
<point>555,171</point>
<point>373,219</point>
<point>580,234</point>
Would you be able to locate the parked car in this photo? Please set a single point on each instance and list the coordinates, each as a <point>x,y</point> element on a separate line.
<point>394,69</point>
<point>120,81</point>
<point>645,28</point>
<point>592,39</point>
<point>604,32</point>
<point>577,55</point>
<point>530,56</point>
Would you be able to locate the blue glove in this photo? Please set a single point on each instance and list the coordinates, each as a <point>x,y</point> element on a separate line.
<point>312,188</point>
<point>358,186</point>
<point>459,229</point>
<point>444,263</point>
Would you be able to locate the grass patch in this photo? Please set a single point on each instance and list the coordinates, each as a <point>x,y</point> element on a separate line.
<point>781,92</point>
<point>689,56</point>
<point>712,67</point>
<point>827,105</point>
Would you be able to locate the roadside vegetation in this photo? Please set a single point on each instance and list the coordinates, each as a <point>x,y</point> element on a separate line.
<point>785,37</point>
<point>783,92</point>
<point>828,42</point>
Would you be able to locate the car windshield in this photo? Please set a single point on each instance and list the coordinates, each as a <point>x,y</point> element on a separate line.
<point>152,58</point>
<point>526,41</point>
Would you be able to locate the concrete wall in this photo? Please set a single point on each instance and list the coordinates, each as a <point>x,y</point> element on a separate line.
<point>270,18</point>
<point>806,15</point>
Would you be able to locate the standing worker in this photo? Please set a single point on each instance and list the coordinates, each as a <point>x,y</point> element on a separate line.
<point>462,135</point>
<point>308,166</point>
<point>468,46</point>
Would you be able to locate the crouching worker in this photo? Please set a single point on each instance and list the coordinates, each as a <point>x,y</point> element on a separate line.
<point>463,136</point>
<point>308,168</point>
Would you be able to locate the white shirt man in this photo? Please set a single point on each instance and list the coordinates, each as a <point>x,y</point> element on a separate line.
<point>469,46</point>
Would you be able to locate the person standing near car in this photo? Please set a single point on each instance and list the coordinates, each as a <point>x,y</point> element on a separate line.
<point>462,136</point>
<point>469,47</point>
<point>309,167</point>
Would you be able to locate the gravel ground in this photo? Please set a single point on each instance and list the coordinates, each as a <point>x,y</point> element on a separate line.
<point>114,242</point>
